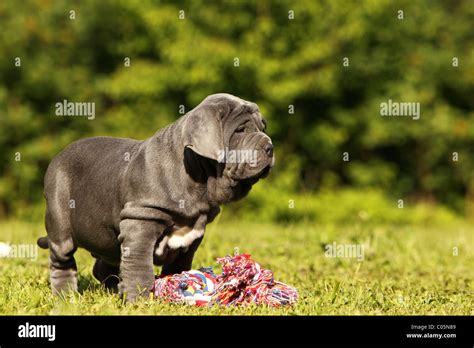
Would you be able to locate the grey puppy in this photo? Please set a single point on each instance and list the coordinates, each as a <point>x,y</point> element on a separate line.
<point>133,203</point>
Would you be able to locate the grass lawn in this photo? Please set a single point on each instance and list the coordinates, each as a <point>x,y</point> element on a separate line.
<point>405,271</point>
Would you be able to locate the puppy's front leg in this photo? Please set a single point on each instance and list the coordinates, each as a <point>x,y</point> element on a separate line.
<point>185,259</point>
<point>137,239</point>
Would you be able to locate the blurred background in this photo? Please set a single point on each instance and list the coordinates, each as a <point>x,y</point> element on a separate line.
<point>140,60</point>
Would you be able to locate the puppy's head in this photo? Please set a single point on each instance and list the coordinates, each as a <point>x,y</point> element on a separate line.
<point>231,132</point>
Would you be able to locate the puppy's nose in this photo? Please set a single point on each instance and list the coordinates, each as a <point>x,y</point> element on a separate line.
<point>268,148</point>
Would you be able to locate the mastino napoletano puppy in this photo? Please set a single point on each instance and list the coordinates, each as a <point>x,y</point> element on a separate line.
<point>133,203</point>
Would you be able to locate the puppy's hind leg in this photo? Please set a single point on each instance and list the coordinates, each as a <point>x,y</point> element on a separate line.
<point>62,265</point>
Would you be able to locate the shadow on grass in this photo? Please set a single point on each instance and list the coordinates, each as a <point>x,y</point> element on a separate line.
<point>88,282</point>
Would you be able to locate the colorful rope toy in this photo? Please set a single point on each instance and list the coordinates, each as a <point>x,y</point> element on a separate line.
<point>242,282</point>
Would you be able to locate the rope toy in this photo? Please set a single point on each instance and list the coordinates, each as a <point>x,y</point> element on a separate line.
<point>242,282</point>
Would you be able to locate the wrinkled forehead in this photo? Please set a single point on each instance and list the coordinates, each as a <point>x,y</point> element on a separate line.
<point>236,108</point>
<point>231,101</point>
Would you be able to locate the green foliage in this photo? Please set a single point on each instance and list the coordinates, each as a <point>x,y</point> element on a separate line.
<point>340,207</point>
<point>282,62</point>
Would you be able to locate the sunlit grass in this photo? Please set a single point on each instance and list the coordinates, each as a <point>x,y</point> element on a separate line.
<point>406,270</point>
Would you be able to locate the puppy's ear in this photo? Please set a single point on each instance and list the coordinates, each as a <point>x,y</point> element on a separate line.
<point>203,131</point>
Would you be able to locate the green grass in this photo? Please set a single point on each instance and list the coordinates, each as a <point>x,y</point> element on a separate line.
<point>406,271</point>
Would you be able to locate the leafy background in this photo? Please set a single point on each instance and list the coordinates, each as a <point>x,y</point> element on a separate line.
<point>282,62</point>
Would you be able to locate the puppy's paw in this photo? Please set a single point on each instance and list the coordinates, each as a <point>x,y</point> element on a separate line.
<point>133,293</point>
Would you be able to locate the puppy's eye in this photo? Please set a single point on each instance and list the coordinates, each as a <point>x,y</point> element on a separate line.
<point>240,129</point>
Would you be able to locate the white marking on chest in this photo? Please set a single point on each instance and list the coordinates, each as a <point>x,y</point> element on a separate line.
<point>184,237</point>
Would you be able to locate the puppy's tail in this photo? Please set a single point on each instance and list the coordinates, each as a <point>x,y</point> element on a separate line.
<point>43,242</point>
